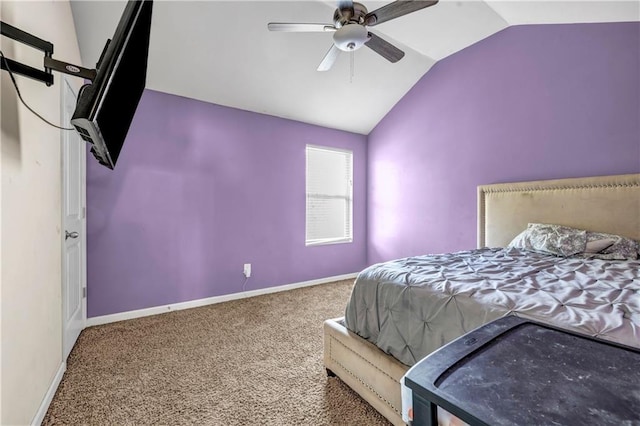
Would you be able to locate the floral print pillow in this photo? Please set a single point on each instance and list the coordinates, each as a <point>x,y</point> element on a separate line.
<point>565,241</point>
<point>621,248</point>
<point>551,239</point>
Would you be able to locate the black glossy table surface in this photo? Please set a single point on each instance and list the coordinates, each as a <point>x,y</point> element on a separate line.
<point>517,372</point>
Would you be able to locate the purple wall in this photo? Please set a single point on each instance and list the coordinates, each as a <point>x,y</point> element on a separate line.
<point>199,190</point>
<point>531,102</point>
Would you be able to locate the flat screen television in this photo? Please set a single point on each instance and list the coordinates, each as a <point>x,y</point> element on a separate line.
<point>106,107</point>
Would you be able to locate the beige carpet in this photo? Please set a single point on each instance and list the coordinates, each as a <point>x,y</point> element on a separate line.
<point>250,361</point>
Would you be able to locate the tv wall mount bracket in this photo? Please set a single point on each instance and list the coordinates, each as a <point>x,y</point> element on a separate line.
<point>50,64</point>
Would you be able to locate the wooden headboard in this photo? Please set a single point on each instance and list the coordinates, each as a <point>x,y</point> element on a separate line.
<point>604,203</point>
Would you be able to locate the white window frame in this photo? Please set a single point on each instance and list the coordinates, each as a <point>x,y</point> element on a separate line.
<point>349,197</point>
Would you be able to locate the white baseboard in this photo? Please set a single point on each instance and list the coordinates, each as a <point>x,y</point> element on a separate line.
<point>105,319</point>
<point>44,406</point>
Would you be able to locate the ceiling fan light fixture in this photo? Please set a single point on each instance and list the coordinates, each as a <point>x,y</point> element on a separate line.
<point>350,37</point>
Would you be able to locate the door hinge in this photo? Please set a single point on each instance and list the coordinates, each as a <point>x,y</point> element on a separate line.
<point>84,292</point>
<point>84,212</point>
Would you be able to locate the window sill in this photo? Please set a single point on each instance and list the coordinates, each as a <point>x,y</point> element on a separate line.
<point>328,242</point>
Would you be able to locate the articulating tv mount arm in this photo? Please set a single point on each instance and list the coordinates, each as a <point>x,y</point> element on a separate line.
<point>50,64</point>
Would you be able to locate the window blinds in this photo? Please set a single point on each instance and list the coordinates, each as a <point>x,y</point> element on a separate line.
<point>329,195</point>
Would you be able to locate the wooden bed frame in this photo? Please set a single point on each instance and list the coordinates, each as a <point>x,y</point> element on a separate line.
<point>605,203</point>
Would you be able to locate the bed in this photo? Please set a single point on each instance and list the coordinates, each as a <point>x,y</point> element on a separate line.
<point>608,204</point>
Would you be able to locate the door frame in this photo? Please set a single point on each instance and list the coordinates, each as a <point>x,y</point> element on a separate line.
<point>68,82</point>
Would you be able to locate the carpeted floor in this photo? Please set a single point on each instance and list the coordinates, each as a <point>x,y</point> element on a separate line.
<point>250,361</point>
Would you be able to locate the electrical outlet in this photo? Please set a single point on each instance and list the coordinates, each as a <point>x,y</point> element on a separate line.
<point>247,270</point>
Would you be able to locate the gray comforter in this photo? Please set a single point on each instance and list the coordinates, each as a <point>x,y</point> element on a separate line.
<point>410,307</point>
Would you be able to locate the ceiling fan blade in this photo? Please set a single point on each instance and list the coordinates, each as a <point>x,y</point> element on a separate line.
<point>329,58</point>
<point>299,28</point>
<point>384,48</point>
<point>396,9</point>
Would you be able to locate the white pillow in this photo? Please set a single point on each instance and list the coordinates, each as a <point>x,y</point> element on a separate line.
<point>597,246</point>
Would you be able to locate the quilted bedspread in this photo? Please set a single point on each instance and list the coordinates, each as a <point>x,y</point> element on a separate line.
<point>410,307</point>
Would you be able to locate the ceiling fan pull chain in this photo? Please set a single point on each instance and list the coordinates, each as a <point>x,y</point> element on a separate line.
<point>352,61</point>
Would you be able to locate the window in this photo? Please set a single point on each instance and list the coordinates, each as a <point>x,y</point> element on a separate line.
<point>329,195</point>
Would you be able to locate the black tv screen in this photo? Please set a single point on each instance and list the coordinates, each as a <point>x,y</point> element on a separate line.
<point>106,107</point>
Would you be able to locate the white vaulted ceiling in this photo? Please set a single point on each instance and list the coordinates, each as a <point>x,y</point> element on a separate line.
<point>221,51</point>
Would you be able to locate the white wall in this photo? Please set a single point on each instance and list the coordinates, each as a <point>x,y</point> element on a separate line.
<point>30,209</point>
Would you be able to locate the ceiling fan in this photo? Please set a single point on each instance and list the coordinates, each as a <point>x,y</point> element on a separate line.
<point>350,22</point>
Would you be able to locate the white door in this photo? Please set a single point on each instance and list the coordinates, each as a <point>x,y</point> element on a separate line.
<point>74,226</point>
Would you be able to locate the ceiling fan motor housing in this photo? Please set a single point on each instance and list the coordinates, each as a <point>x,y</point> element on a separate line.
<point>353,15</point>
<point>350,37</point>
